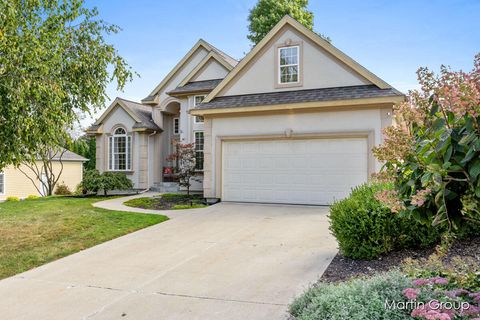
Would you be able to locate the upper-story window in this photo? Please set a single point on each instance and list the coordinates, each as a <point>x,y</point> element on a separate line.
<point>120,151</point>
<point>2,183</point>
<point>176,126</point>
<point>289,67</point>
<point>196,101</point>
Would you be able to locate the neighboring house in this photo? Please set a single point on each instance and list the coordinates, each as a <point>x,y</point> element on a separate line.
<point>293,122</point>
<point>14,183</point>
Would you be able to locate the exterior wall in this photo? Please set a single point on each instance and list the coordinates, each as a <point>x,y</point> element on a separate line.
<point>183,72</point>
<point>144,172</point>
<point>212,70</point>
<point>318,69</point>
<point>326,122</point>
<point>17,185</point>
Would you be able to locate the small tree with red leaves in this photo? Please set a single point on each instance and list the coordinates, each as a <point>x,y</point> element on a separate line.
<point>184,156</point>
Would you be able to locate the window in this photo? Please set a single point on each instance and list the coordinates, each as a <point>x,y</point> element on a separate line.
<point>2,183</point>
<point>176,125</point>
<point>196,101</point>
<point>199,142</point>
<point>288,65</point>
<point>120,151</point>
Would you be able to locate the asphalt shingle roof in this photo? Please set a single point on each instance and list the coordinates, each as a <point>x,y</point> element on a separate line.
<point>197,86</point>
<point>144,113</point>
<point>299,96</point>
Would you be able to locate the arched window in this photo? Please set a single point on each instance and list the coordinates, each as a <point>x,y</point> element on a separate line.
<point>120,151</point>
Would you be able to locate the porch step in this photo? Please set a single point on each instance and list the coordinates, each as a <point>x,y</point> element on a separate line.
<point>166,187</point>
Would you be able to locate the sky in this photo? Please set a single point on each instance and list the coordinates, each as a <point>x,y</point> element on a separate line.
<point>391,38</point>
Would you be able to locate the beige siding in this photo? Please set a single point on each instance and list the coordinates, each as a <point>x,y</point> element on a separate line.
<point>319,69</point>
<point>212,70</point>
<point>335,122</point>
<point>17,185</point>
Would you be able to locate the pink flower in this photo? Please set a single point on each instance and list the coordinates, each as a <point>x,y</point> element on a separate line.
<point>411,293</point>
<point>420,282</point>
<point>439,280</point>
<point>419,198</point>
<point>455,293</point>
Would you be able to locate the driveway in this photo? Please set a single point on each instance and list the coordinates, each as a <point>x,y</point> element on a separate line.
<point>227,261</point>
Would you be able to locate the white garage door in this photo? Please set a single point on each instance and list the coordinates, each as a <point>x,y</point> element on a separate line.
<point>313,171</point>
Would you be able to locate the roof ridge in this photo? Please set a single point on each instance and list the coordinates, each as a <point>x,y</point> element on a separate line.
<point>222,53</point>
<point>139,103</point>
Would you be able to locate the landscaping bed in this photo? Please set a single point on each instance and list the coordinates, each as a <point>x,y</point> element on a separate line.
<point>34,232</point>
<point>344,268</point>
<point>168,201</point>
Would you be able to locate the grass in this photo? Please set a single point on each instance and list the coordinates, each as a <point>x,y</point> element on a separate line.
<point>168,201</point>
<point>35,232</point>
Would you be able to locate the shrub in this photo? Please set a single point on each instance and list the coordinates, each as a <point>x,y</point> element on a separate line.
<point>433,155</point>
<point>93,181</point>
<point>114,181</point>
<point>63,190</point>
<point>365,228</point>
<point>463,272</point>
<point>13,199</point>
<point>360,299</point>
<point>32,197</point>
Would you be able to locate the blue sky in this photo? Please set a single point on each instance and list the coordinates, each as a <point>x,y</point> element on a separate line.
<point>390,38</point>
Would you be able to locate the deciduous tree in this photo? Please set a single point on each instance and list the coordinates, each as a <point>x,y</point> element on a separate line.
<point>55,65</point>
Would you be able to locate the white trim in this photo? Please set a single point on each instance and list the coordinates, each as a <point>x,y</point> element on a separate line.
<point>128,150</point>
<point>4,184</point>
<point>203,148</point>
<point>195,118</point>
<point>280,66</point>
<point>177,129</point>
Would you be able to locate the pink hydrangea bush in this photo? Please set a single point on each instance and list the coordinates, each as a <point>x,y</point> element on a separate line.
<point>432,154</point>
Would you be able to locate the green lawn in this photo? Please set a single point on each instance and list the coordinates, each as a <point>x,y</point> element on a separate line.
<point>35,232</point>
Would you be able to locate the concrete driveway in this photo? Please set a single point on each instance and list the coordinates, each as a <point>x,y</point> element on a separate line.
<point>228,261</point>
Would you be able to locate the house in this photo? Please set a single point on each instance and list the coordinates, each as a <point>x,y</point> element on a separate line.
<point>22,182</point>
<point>293,122</point>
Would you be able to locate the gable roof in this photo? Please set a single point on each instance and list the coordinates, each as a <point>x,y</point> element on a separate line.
<point>213,55</point>
<point>142,114</point>
<point>287,20</point>
<point>196,86</point>
<point>200,44</point>
<point>68,156</point>
<point>301,96</point>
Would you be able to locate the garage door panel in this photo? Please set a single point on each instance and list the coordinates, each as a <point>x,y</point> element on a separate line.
<point>314,171</point>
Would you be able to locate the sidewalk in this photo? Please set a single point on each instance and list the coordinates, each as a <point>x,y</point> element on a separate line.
<point>117,205</point>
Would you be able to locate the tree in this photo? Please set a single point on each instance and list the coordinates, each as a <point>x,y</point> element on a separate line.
<point>184,156</point>
<point>86,147</point>
<point>94,181</point>
<point>55,65</point>
<point>267,13</point>
<point>44,169</point>
<point>432,156</point>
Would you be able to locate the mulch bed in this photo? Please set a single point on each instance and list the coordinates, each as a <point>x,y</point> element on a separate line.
<point>343,268</point>
<point>161,203</point>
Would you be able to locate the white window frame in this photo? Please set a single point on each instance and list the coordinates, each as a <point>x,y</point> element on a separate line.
<point>280,66</point>
<point>197,118</point>
<point>128,151</point>
<point>4,184</point>
<point>176,127</point>
<point>199,150</point>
